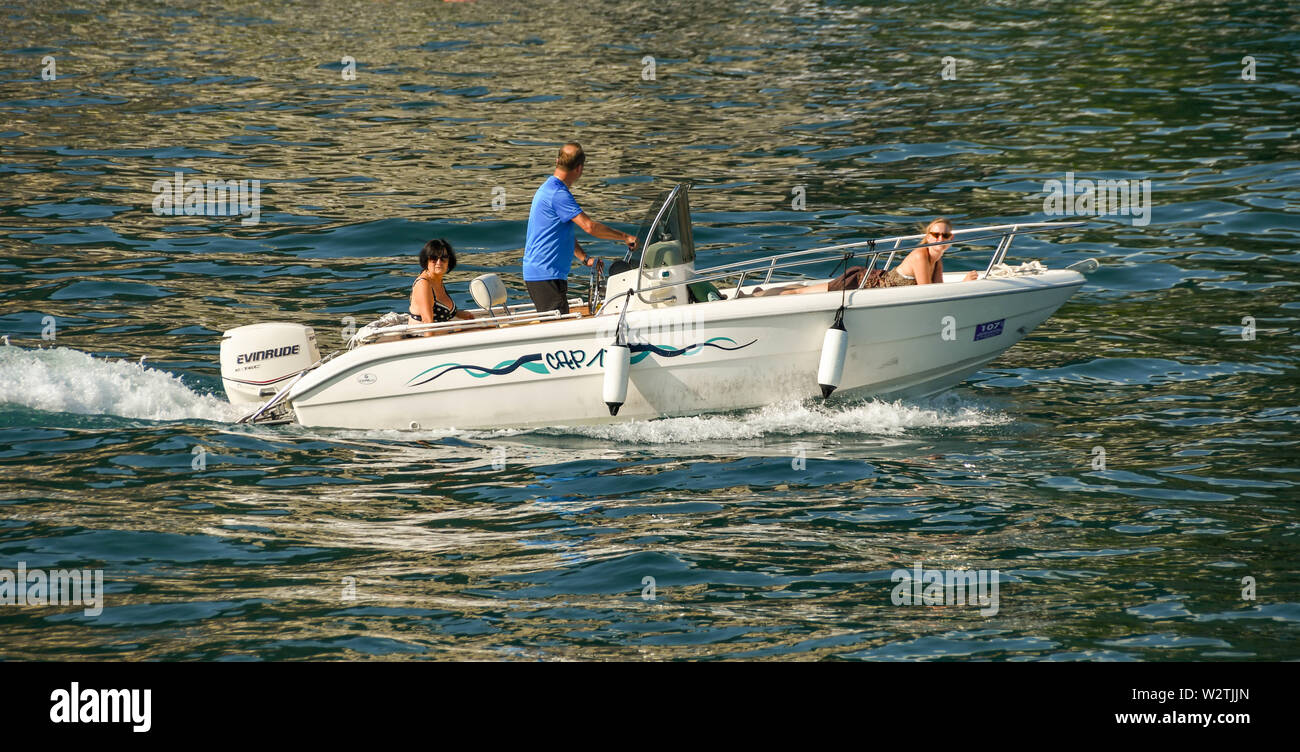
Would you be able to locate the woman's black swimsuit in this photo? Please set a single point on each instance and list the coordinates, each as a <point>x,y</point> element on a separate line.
<point>440,312</point>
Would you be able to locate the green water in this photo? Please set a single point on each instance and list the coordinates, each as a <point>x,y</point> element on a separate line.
<point>291,543</point>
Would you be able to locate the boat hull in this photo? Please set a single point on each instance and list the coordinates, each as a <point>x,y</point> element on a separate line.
<point>726,355</point>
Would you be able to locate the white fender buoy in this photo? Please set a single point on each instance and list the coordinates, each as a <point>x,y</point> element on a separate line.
<point>835,346</point>
<point>618,361</point>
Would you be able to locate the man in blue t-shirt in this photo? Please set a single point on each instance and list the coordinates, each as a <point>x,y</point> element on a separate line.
<point>551,247</point>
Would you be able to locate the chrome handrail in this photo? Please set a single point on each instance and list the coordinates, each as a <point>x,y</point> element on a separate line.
<point>825,254</point>
<point>1003,245</point>
<point>464,324</point>
<point>898,239</point>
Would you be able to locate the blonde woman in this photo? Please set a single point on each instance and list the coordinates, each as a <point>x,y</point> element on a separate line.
<point>922,266</point>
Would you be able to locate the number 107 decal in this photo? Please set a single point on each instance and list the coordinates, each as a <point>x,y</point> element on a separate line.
<point>988,329</point>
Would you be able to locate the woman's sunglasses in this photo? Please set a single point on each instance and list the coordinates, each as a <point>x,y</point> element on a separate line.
<point>943,235</point>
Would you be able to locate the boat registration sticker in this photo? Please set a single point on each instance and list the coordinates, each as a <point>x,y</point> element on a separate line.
<point>988,329</point>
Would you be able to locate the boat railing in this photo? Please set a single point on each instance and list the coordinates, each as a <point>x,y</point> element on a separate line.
<point>783,262</point>
<point>767,266</point>
<point>485,321</point>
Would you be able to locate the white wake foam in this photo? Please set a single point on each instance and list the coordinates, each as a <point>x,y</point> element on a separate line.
<point>792,418</point>
<point>66,380</point>
<point>778,420</point>
<point>70,381</point>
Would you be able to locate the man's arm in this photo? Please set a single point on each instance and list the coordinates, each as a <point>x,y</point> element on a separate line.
<point>582,256</point>
<point>596,229</point>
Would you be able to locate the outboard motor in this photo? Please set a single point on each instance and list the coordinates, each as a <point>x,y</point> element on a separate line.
<point>258,360</point>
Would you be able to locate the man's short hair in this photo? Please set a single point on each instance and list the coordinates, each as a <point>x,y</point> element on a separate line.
<point>571,156</point>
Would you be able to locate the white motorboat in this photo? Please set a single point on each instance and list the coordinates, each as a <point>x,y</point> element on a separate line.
<point>661,338</point>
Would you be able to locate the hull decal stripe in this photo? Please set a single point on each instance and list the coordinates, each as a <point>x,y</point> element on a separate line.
<point>530,362</point>
<point>527,361</point>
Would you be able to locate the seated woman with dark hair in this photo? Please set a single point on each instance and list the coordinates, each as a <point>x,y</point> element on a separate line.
<point>430,302</point>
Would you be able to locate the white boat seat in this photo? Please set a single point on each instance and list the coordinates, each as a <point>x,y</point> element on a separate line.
<point>663,253</point>
<point>488,290</point>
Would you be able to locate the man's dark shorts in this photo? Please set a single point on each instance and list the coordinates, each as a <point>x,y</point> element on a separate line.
<point>549,294</point>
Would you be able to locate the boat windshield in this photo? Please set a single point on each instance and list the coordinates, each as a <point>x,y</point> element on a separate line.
<point>668,241</point>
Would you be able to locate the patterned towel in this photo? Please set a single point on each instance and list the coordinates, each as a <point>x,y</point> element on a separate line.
<point>1029,267</point>
<point>396,318</point>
